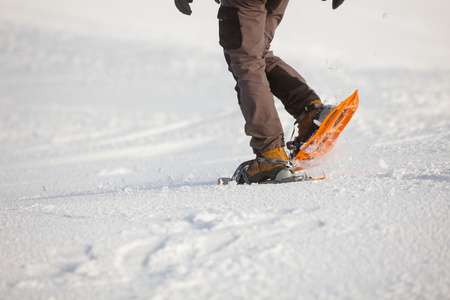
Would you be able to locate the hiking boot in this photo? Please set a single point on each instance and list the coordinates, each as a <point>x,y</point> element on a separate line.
<point>308,123</point>
<point>260,170</point>
<point>305,122</point>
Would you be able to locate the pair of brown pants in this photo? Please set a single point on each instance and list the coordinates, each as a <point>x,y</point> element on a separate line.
<point>246,29</point>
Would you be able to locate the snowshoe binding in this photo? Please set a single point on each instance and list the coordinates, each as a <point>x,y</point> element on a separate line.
<point>266,170</point>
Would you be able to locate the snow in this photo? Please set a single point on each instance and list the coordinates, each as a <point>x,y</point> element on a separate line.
<point>117,118</point>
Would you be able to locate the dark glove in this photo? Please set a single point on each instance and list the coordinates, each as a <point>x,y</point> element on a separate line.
<point>183,6</point>
<point>337,3</point>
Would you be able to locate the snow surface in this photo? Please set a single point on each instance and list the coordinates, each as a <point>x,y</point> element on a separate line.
<point>117,117</point>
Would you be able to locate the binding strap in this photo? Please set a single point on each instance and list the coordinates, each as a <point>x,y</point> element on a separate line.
<point>274,161</point>
<point>307,109</point>
<point>240,175</point>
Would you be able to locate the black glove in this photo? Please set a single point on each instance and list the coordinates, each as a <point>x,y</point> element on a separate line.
<point>183,6</point>
<point>337,3</point>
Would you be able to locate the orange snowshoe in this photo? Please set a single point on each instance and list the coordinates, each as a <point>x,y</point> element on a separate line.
<point>323,140</point>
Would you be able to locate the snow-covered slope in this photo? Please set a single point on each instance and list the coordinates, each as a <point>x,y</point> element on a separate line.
<point>117,118</point>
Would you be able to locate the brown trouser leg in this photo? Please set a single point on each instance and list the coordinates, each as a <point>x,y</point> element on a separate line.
<point>246,29</point>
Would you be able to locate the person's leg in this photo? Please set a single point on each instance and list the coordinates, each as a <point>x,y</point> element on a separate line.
<point>289,86</point>
<point>242,35</point>
<point>285,83</point>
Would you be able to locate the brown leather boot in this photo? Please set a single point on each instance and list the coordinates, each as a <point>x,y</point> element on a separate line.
<point>260,171</point>
<point>306,126</point>
<point>308,123</point>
